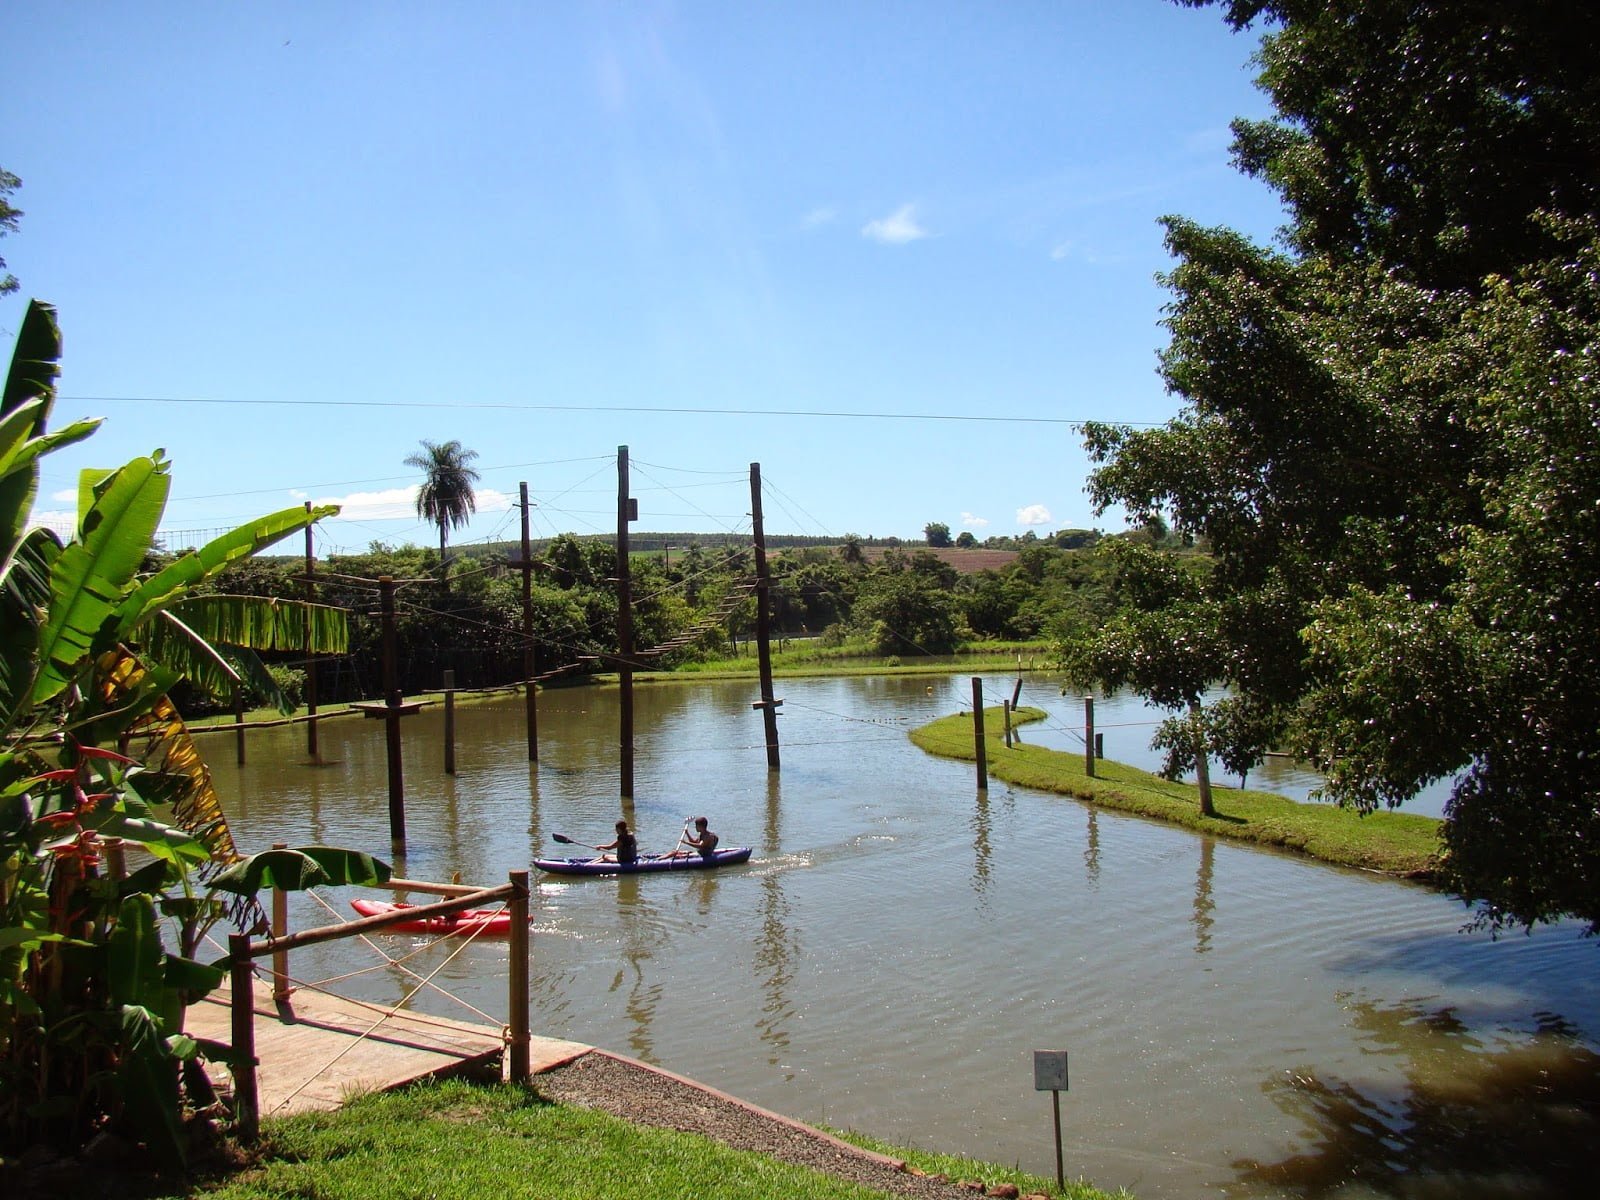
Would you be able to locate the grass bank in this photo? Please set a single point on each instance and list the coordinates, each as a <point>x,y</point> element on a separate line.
<point>1394,843</point>
<point>799,659</point>
<point>460,1141</point>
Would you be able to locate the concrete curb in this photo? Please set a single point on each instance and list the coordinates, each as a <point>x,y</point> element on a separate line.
<point>844,1147</point>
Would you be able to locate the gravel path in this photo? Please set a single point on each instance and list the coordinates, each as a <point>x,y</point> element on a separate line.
<point>646,1096</point>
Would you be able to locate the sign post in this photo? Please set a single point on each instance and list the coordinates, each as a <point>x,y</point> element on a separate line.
<point>1050,1075</point>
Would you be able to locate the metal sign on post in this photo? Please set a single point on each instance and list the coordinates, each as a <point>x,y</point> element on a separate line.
<point>1050,1075</point>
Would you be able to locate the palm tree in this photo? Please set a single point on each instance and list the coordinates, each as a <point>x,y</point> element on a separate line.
<point>850,550</point>
<point>445,497</point>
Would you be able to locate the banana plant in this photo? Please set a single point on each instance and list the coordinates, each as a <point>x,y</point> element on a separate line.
<point>92,751</point>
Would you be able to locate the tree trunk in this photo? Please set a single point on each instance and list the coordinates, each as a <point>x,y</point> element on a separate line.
<point>444,567</point>
<point>1202,767</point>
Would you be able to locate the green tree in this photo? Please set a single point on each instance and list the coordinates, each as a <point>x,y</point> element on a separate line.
<point>965,540</point>
<point>937,533</point>
<point>91,998</point>
<point>9,183</point>
<point>446,498</point>
<point>1387,437</point>
<point>850,551</point>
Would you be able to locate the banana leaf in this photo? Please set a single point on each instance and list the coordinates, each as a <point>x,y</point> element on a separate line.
<point>24,597</point>
<point>91,577</point>
<point>179,578</point>
<point>304,867</point>
<point>175,773</point>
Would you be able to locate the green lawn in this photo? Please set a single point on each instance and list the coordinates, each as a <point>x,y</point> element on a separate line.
<point>1391,842</point>
<point>460,1141</point>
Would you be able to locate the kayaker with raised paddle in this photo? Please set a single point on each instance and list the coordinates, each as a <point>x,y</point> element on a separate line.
<point>626,846</point>
<point>702,839</point>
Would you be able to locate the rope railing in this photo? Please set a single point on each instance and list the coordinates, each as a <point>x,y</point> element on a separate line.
<point>243,951</point>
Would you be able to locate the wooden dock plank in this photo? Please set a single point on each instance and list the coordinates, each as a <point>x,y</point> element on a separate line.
<point>312,1054</point>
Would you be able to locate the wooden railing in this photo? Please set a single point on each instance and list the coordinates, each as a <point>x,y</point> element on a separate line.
<point>243,951</point>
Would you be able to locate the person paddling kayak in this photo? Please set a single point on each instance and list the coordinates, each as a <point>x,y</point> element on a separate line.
<point>626,846</point>
<point>702,839</point>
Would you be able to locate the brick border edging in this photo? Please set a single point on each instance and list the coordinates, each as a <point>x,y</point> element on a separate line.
<point>894,1164</point>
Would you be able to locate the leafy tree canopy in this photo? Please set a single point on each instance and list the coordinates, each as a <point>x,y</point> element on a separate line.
<point>1388,437</point>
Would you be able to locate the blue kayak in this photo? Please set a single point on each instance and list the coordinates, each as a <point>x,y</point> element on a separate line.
<point>693,861</point>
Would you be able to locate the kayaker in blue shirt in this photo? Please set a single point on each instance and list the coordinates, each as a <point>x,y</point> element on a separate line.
<point>626,846</point>
<point>702,839</point>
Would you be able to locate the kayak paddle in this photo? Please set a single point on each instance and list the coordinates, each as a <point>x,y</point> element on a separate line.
<point>566,841</point>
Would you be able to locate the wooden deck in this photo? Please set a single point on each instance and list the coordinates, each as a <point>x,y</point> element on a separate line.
<point>313,1055</point>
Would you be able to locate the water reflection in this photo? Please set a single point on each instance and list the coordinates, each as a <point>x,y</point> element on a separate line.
<point>832,978</point>
<point>1470,1120</point>
<point>981,850</point>
<point>1203,903</point>
<point>643,932</point>
<point>777,942</point>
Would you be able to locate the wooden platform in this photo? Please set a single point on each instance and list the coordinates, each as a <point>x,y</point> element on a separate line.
<point>311,1058</point>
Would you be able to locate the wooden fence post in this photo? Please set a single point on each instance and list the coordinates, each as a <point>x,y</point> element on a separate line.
<point>247,1100</point>
<point>1006,710</point>
<point>1088,736</point>
<point>977,734</point>
<point>449,722</point>
<point>517,1018</point>
<point>280,927</point>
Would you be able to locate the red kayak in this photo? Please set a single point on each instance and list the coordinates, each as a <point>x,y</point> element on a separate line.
<point>492,921</point>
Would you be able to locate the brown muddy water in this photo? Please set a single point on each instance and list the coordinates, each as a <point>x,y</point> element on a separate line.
<point>1239,1022</point>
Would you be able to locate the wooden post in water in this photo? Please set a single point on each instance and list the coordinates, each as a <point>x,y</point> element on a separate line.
<point>391,716</point>
<point>238,718</point>
<point>311,659</point>
<point>529,659</point>
<point>769,705</point>
<point>1016,692</point>
<point>246,1097</point>
<point>1088,736</point>
<point>450,722</point>
<point>977,734</point>
<point>626,511</point>
<point>517,1018</point>
<point>280,928</point>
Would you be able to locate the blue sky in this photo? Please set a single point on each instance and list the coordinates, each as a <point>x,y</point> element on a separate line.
<point>289,241</point>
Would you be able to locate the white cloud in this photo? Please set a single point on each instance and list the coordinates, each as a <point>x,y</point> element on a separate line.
<point>297,494</point>
<point>489,500</point>
<point>397,504</point>
<point>898,228</point>
<point>972,522</point>
<point>1060,251</point>
<point>388,505</point>
<point>65,496</point>
<point>818,217</point>
<point>1033,514</point>
<point>63,521</point>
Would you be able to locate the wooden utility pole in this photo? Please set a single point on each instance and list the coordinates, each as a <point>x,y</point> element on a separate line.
<point>768,705</point>
<point>627,511</point>
<point>391,713</point>
<point>311,659</point>
<point>529,660</point>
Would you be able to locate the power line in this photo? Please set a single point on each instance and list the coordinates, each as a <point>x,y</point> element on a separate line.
<point>456,406</point>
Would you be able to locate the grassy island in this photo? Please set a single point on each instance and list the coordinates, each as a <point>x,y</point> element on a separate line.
<point>1392,843</point>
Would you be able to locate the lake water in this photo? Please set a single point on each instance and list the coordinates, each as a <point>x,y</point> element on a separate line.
<point>1239,1022</point>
